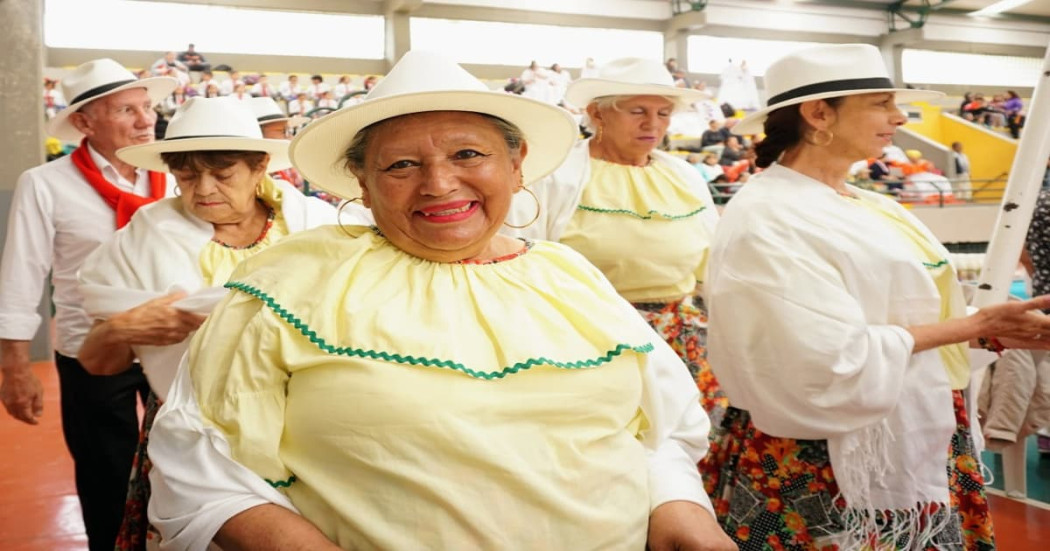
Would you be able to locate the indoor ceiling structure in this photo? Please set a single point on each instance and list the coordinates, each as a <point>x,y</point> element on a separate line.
<point>1031,10</point>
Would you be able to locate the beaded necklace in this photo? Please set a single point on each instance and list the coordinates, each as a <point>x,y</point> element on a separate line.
<point>270,216</point>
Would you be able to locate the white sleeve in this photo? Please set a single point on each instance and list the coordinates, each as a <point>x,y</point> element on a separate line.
<point>678,430</point>
<point>788,341</point>
<point>26,259</point>
<point>196,484</point>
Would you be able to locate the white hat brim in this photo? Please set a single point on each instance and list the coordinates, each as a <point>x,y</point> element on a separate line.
<point>157,88</point>
<point>754,122</point>
<point>148,155</point>
<point>585,90</point>
<point>317,151</point>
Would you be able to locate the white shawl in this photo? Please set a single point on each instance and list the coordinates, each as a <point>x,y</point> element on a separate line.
<point>158,253</point>
<point>809,296</point>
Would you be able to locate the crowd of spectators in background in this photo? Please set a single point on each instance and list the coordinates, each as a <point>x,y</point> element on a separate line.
<point>724,159</point>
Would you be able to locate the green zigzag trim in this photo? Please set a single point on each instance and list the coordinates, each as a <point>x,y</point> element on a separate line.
<point>648,216</point>
<point>937,265</point>
<point>281,483</point>
<point>429,362</point>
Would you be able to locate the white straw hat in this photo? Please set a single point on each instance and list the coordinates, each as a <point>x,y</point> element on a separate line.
<point>422,82</point>
<point>208,124</point>
<point>98,78</point>
<point>829,71</point>
<point>630,76</point>
<point>266,111</point>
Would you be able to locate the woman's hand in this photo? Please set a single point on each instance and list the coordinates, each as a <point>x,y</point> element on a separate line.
<point>686,526</point>
<point>107,347</point>
<point>156,322</point>
<point>1017,324</point>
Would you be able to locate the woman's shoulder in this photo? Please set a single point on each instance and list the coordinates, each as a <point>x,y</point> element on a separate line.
<point>306,252</point>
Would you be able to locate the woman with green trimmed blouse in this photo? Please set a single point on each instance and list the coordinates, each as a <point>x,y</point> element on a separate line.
<point>427,383</point>
<point>642,216</point>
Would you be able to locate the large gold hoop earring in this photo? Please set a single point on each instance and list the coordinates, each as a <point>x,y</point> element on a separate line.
<point>339,214</point>
<point>534,218</point>
<point>812,138</point>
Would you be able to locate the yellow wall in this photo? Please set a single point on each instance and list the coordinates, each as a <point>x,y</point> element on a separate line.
<point>991,155</point>
<point>930,125</point>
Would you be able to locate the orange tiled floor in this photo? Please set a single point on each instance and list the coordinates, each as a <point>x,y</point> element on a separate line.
<point>38,501</point>
<point>39,509</point>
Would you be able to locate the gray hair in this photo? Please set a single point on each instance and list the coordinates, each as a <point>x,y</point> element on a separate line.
<point>354,154</point>
<point>613,102</point>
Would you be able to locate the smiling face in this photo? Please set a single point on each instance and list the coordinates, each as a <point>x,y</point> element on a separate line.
<point>631,126</point>
<point>218,187</point>
<point>440,183</point>
<point>863,124</point>
<point>117,120</point>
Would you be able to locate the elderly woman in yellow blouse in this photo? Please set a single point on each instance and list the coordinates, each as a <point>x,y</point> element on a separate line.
<point>228,210</point>
<point>642,216</point>
<point>426,383</point>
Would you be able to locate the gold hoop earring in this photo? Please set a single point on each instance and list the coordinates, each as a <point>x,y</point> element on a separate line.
<point>598,138</point>
<point>339,215</point>
<point>812,138</point>
<point>534,218</point>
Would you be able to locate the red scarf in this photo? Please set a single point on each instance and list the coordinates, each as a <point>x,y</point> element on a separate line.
<point>122,202</point>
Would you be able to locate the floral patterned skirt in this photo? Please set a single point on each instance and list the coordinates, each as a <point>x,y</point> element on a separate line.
<point>136,534</point>
<point>683,324</point>
<point>775,493</point>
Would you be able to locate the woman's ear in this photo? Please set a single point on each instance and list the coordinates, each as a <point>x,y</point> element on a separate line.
<point>817,113</point>
<point>594,113</point>
<point>518,158</point>
<point>264,164</point>
<point>366,199</point>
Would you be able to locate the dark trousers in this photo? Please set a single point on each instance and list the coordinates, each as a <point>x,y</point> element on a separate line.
<point>101,427</point>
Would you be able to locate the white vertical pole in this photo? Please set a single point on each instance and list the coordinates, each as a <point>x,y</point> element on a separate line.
<point>1008,237</point>
<point>1022,189</point>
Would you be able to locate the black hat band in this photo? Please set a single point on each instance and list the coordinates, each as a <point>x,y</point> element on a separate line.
<point>99,90</point>
<point>844,85</point>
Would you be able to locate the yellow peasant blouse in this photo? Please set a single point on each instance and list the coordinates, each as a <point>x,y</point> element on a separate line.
<point>396,400</point>
<point>641,226</point>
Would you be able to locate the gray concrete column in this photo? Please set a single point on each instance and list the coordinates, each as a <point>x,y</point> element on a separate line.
<point>22,115</point>
<point>676,36</point>
<point>892,46</point>
<point>398,28</point>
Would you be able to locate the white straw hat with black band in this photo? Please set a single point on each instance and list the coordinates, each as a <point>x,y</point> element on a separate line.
<point>208,124</point>
<point>630,76</point>
<point>266,111</point>
<point>96,79</point>
<point>423,82</point>
<point>829,71</point>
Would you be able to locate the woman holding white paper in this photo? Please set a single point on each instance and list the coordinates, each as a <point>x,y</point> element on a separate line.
<point>228,209</point>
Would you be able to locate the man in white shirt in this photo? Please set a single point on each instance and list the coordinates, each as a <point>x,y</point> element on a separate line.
<point>290,88</point>
<point>317,88</point>
<point>59,213</point>
<point>171,67</point>
<point>207,79</point>
<point>263,89</point>
<point>228,86</point>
